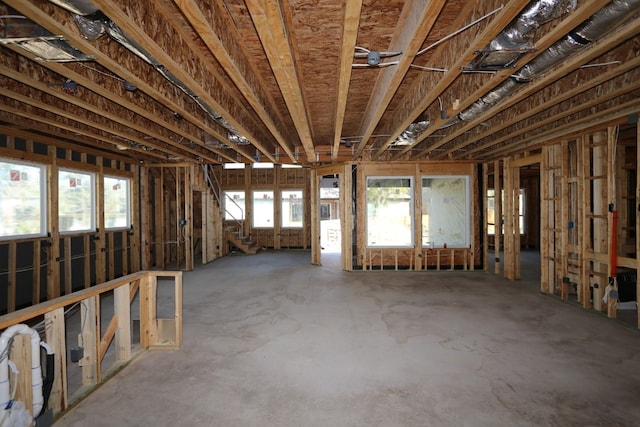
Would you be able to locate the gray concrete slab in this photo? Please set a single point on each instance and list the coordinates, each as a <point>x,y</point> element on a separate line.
<point>270,340</point>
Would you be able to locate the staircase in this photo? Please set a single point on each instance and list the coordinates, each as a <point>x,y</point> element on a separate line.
<point>243,243</point>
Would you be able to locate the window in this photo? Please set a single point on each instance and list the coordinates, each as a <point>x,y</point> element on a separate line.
<point>445,211</point>
<point>234,205</point>
<point>263,209</point>
<point>491,212</point>
<point>117,213</point>
<point>262,165</point>
<point>292,209</point>
<point>233,166</point>
<point>390,212</point>
<point>76,201</point>
<point>22,199</point>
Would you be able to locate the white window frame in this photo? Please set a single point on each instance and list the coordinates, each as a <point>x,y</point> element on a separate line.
<point>411,243</point>
<point>282,210</point>
<point>255,211</point>
<point>92,187</point>
<point>467,211</point>
<point>43,199</point>
<point>128,201</point>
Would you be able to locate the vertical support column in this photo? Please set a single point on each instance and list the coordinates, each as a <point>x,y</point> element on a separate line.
<point>35,278</point>
<point>11,280</point>
<point>179,217</point>
<point>146,222</point>
<point>21,356</point>
<point>612,236</point>
<point>485,225</point>
<point>89,339</point>
<point>122,312</point>
<point>314,203</point>
<point>188,216</point>
<point>516,222</point>
<point>67,266</point>
<point>101,243</point>
<point>586,219</point>
<point>148,306</point>
<point>346,217</point>
<point>637,209</point>
<point>417,209</point>
<point>137,251</point>
<point>562,263</point>
<point>56,338</point>
<point>277,210</point>
<point>53,253</point>
<point>600,216</point>
<point>508,220</point>
<point>583,277</point>
<point>497,237</point>
<point>544,220</point>
<point>86,246</point>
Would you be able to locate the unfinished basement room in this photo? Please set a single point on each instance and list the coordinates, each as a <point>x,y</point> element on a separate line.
<point>319,213</point>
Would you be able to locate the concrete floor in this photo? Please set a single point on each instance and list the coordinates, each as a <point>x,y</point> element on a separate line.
<point>270,340</point>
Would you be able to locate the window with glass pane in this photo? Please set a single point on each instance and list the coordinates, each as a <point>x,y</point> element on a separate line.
<point>491,211</point>
<point>263,209</point>
<point>389,212</point>
<point>445,211</point>
<point>292,209</point>
<point>116,202</point>
<point>22,199</point>
<point>76,201</point>
<point>234,205</point>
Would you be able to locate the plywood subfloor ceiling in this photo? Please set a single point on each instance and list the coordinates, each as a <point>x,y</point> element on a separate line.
<point>289,81</point>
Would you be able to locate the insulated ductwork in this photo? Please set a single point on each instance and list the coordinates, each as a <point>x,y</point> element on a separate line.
<point>595,27</point>
<point>409,136</point>
<point>92,24</point>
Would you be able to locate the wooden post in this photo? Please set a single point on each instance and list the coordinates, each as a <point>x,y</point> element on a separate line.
<point>346,217</point>
<point>11,284</point>
<point>35,278</point>
<point>498,215</point>
<point>188,216</point>
<point>509,213</point>
<point>485,225</point>
<point>612,140</point>
<point>101,235</point>
<point>122,312</point>
<point>637,220</point>
<point>600,232</point>
<point>67,266</point>
<point>89,339</point>
<point>314,202</point>
<point>56,339</point>
<point>86,243</point>
<point>137,251</point>
<point>21,357</point>
<point>53,252</point>
<point>587,243</point>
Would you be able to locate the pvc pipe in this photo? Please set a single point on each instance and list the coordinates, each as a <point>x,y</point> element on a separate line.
<point>36,370</point>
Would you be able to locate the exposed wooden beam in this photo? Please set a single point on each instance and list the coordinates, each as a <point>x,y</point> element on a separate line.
<point>90,103</point>
<point>418,18</point>
<point>247,84</point>
<point>269,22</point>
<point>189,70</point>
<point>543,106</point>
<point>574,19</point>
<point>350,24</point>
<point>423,93</point>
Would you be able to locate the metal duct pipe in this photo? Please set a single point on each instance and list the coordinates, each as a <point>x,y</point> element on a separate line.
<point>522,30</point>
<point>79,7</point>
<point>412,132</point>
<point>595,27</point>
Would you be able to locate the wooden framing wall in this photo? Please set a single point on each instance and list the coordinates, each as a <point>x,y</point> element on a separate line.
<point>419,257</point>
<point>584,180</point>
<point>276,179</point>
<point>40,269</point>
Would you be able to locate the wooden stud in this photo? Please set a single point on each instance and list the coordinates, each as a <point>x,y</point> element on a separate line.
<point>188,216</point>
<point>86,239</point>
<point>89,339</point>
<point>637,209</point>
<point>21,357</point>
<point>55,336</point>
<point>497,214</point>
<point>68,276</point>
<point>11,280</point>
<point>122,313</point>
<point>53,252</point>
<point>35,277</point>
<point>612,141</point>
